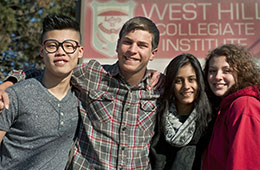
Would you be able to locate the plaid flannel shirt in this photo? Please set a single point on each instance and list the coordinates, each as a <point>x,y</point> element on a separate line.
<point>117,121</point>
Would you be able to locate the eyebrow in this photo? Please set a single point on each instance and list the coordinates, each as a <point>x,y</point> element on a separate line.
<point>193,75</point>
<point>227,66</point>
<point>142,42</point>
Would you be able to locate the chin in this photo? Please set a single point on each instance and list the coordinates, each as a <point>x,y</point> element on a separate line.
<point>129,69</point>
<point>188,101</point>
<point>63,73</point>
<point>219,94</point>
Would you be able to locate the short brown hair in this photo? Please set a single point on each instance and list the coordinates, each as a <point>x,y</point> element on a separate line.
<point>141,23</point>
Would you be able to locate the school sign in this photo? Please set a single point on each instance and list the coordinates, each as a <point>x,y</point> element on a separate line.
<point>186,26</point>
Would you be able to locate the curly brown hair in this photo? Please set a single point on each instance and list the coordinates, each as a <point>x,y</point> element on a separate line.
<point>240,60</point>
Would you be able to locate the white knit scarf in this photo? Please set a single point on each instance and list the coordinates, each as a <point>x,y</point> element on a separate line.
<point>177,133</point>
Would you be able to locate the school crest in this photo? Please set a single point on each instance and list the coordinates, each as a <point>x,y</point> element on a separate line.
<point>108,19</point>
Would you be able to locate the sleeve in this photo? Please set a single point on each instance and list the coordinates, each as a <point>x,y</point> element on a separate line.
<point>7,117</point>
<point>20,75</point>
<point>79,71</point>
<point>85,73</point>
<point>243,126</point>
<point>77,78</point>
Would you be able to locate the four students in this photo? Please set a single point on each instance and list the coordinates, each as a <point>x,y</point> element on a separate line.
<point>118,113</point>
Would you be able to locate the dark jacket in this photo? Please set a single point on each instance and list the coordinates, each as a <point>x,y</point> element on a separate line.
<point>164,156</point>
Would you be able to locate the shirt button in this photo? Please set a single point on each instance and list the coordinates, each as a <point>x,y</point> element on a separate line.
<point>58,105</point>
<point>62,123</point>
<point>127,109</point>
<point>124,128</point>
<point>61,113</point>
<point>123,148</point>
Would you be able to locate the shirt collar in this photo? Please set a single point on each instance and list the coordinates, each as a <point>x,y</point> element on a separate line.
<point>116,72</point>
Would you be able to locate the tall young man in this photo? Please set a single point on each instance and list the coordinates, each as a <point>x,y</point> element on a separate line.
<point>117,111</point>
<point>37,131</point>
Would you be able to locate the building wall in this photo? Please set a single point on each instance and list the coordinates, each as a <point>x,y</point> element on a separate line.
<point>156,64</point>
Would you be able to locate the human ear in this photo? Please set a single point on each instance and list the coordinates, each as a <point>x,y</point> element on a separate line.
<point>117,45</point>
<point>154,52</point>
<point>81,52</point>
<point>41,51</point>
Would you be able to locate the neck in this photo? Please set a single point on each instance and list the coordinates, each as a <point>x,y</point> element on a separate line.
<point>133,79</point>
<point>57,86</point>
<point>184,109</point>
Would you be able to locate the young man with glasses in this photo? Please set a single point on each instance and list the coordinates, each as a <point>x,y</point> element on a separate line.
<point>38,130</point>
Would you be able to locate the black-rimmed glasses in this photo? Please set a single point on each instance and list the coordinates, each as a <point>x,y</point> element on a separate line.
<point>69,46</point>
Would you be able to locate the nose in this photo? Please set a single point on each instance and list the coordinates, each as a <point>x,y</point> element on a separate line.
<point>218,75</point>
<point>186,84</point>
<point>60,50</point>
<point>133,48</point>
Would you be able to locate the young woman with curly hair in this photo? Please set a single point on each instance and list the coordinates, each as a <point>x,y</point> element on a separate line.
<point>234,82</point>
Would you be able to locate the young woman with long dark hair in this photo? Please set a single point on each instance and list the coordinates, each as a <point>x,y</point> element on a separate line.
<point>184,116</point>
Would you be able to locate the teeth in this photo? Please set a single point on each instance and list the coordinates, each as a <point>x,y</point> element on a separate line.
<point>60,62</point>
<point>187,94</point>
<point>131,59</point>
<point>219,85</point>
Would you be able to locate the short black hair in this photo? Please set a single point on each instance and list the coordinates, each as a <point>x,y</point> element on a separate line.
<point>58,22</point>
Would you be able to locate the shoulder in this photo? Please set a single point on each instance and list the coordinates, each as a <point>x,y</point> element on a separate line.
<point>245,106</point>
<point>245,101</point>
<point>88,66</point>
<point>28,84</point>
<point>90,70</point>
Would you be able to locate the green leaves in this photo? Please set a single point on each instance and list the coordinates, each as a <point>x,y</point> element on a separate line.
<point>20,28</point>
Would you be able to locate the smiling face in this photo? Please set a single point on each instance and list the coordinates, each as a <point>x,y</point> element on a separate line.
<point>220,76</point>
<point>185,86</point>
<point>61,63</point>
<point>134,52</point>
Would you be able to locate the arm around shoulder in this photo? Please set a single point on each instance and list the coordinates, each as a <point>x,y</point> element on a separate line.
<point>7,83</point>
<point>2,134</point>
<point>4,99</point>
